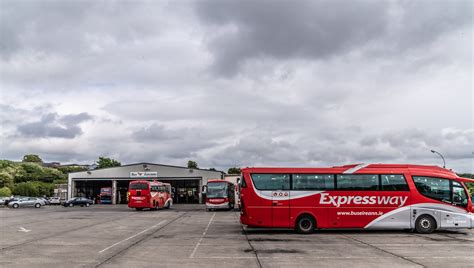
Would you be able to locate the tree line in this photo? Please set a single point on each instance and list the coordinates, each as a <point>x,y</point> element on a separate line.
<point>31,178</point>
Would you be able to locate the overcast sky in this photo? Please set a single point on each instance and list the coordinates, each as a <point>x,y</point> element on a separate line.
<point>238,83</point>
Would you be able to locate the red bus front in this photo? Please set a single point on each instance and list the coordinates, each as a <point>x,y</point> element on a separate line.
<point>220,195</point>
<point>139,197</point>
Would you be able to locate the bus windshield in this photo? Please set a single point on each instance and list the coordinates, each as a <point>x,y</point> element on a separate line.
<point>139,186</point>
<point>217,190</point>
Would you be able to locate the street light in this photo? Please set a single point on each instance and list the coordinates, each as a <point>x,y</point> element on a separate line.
<point>444,162</point>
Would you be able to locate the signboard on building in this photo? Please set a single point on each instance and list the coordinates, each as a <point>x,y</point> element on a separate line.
<point>143,174</point>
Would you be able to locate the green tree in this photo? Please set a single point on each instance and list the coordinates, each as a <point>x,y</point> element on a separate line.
<point>6,179</point>
<point>234,170</point>
<point>31,172</point>
<point>5,191</point>
<point>25,189</point>
<point>6,163</point>
<point>69,169</point>
<point>33,188</point>
<point>105,162</point>
<point>192,164</point>
<point>34,158</point>
<point>52,174</point>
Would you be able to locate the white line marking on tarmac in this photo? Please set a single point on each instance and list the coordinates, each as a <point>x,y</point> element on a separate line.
<point>203,234</point>
<point>113,245</point>
<point>22,229</point>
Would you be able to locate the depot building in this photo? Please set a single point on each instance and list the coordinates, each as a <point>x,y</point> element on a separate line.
<point>186,182</point>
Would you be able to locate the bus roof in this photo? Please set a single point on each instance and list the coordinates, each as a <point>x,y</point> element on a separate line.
<point>208,181</point>
<point>361,169</point>
<point>146,181</point>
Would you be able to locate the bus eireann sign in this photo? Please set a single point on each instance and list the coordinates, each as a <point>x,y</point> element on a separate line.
<point>143,174</point>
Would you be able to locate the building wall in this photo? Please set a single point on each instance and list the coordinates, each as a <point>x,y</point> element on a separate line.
<point>123,173</point>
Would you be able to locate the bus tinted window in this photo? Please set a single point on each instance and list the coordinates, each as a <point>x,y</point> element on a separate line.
<point>394,183</point>
<point>271,181</point>
<point>357,182</point>
<point>217,189</point>
<point>313,182</point>
<point>434,188</point>
<point>138,186</point>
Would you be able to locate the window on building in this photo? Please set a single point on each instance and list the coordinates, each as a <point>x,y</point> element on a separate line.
<point>358,182</point>
<point>313,181</point>
<point>394,183</point>
<point>434,188</point>
<point>271,181</point>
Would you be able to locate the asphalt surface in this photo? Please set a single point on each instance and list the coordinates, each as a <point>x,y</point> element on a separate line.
<point>188,236</point>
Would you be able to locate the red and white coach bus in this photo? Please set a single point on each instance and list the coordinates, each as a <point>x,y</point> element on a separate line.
<point>376,196</point>
<point>149,194</point>
<point>220,194</point>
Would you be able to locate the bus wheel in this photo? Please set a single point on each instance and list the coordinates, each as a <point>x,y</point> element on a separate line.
<point>305,224</point>
<point>425,224</point>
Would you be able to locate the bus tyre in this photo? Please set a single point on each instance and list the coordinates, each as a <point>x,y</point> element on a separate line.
<point>425,224</point>
<point>305,224</point>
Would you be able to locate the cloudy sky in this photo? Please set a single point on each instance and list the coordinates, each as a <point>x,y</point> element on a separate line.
<point>238,83</point>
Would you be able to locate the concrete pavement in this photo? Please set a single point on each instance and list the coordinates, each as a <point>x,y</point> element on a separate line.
<point>188,236</point>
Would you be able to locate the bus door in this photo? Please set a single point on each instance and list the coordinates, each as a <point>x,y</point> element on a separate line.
<point>281,201</point>
<point>457,219</point>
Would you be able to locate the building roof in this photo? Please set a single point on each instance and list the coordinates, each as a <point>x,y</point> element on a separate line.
<point>153,164</point>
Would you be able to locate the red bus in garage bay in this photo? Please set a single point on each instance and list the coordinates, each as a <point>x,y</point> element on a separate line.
<point>105,195</point>
<point>149,194</point>
<point>377,196</point>
<point>220,194</point>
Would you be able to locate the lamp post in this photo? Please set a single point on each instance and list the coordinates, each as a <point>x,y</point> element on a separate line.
<point>442,157</point>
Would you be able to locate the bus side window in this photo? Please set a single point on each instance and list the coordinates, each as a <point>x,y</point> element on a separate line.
<point>394,183</point>
<point>363,182</point>
<point>271,182</point>
<point>434,188</point>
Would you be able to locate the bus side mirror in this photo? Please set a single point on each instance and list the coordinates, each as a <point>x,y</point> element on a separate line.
<point>204,189</point>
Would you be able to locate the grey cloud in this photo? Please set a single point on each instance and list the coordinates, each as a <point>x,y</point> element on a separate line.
<point>319,149</point>
<point>74,24</point>
<point>308,83</point>
<point>284,29</point>
<point>175,143</point>
<point>74,119</point>
<point>244,30</point>
<point>50,126</point>
<point>154,132</point>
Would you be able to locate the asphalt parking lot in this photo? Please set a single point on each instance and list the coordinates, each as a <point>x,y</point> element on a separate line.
<point>187,236</point>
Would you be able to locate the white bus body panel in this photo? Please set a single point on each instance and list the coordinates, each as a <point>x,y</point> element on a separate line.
<point>446,216</point>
